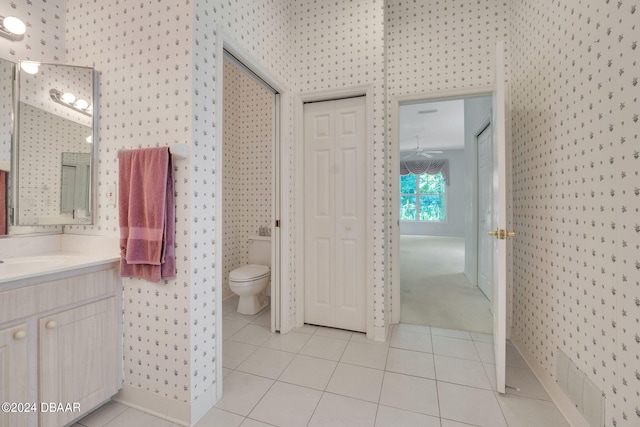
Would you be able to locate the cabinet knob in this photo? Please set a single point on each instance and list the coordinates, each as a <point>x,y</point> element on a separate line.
<point>51,324</point>
<point>18,335</point>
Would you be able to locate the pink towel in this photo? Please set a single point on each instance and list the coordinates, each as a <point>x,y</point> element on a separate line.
<point>147,214</point>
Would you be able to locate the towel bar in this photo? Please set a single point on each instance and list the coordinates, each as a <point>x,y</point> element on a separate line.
<point>179,151</point>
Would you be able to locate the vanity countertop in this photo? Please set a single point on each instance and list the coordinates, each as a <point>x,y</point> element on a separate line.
<point>26,270</point>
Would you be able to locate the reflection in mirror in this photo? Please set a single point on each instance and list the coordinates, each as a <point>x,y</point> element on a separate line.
<point>75,181</point>
<point>55,147</point>
<point>6,129</point>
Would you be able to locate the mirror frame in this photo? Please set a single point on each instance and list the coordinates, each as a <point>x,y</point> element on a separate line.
<point>14,201</point>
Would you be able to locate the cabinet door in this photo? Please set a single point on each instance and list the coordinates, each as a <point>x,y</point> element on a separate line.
<point>78,360</point>
<point>14,369</point>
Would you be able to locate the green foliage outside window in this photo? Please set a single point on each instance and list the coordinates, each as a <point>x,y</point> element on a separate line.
<point>422,198</point>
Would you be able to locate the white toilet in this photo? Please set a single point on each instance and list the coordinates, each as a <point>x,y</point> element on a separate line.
<point>250,281</point>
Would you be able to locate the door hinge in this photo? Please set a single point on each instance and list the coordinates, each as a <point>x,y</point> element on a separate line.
<point>277,223</point>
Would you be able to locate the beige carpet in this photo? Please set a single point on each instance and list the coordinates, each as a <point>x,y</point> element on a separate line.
<point>434,289</point>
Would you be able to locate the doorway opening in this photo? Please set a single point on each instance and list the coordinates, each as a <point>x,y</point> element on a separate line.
<point>247,161</point>
<point>439,190</point>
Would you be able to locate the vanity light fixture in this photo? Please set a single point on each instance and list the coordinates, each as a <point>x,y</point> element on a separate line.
<point>30,67</point>
<point>12,28</point>
<point>68,97</point>
<point>69,100</point>
<point>81,104</point>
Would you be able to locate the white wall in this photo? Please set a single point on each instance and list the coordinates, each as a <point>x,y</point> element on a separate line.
<point>576,201</point>
<point>158,79</point>
<point>455,194</point>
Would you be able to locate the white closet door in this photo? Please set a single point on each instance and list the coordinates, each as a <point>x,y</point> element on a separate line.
<point>335,233</point>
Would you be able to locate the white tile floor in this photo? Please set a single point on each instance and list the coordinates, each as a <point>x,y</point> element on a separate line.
<point>317,376</point>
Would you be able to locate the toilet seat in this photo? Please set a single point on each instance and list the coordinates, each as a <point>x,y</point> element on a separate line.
<point>248,273</point>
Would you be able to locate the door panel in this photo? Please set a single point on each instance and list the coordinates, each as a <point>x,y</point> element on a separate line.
<point>322,183</point>
<point>485,214</point>
<point>349,183</point>
<point>500,189</point>
<point>335,172</point>
<point>78,358</point>
<point>14,375</point>
<point>323,270</point>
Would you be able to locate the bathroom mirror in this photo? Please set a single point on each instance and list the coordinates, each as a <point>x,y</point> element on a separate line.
<point>6,130</point>
<point>55,149</point>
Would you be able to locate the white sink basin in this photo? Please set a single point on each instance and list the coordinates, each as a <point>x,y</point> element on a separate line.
<point>26,265</point>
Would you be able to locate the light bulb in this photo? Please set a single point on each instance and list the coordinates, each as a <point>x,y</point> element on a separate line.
<point>30,67</point>
<point>81,104</point>
<point>68,97</point>
<point>90,139</point>
<point>14,25</point>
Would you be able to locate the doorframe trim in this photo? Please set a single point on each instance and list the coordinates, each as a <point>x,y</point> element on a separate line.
<point>394,166</point>
<point>224,41</point>
<point>298,107</point>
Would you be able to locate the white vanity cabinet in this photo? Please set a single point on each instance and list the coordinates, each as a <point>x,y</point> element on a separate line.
<point>78,357</point>
<point>62,347</point>
<point>13,373</point>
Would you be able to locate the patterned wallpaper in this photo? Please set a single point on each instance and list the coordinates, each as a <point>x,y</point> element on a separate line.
<point>44,39</point>
<point>339,46</point>
<point>6,110</point>
<point>576,164</point>
<point>143,53</point>
<point>157,87</point>
<point>247,181</point>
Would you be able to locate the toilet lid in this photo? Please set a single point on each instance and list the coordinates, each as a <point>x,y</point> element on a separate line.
<point>248,272</point>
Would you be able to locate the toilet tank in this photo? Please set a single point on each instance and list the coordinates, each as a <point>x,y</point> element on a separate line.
<point>260,250</point>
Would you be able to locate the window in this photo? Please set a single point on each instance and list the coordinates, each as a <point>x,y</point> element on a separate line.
<point>422,197</point>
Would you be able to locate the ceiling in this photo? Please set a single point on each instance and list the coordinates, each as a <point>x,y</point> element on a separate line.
<point>437,125</point>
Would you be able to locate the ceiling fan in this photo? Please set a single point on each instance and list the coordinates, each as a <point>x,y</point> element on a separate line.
<point>418,152</point>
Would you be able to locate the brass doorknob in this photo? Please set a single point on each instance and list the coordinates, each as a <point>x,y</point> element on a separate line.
<point>501,234</point>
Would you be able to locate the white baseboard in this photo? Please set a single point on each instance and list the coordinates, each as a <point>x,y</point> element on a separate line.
<point>154,404</point>
<point>566,407</point>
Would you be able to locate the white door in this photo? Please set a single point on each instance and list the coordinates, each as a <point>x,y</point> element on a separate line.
<point>334,231</point>
<point>68,188</point>
<point>485,212</point>
<point>14,375</point>
<point>500,220</point>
